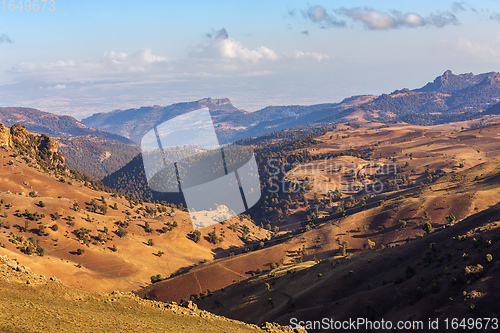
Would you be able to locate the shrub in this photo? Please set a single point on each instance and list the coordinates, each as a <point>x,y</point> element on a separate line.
<point>80,251</point>
<point>155,278</point>
<point>402,224</point>
<point>369,244</point>
<point>196,236</point>
<point>489,258</point>
<point>473,273</point>
<point>148,228</point>
<point>451,218</point>
<point>427,227</point>
<point>41,204</point>
<point>121,232</point>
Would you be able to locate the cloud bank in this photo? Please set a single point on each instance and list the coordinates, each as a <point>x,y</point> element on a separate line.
<point>373,19</point>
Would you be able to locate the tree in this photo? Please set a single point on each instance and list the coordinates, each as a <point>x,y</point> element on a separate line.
<point>196,236</point>
<point>343,247</point>
<point>121,232</point>
<point>151,242</point>
<point>80,251</point>
<point>369,244</point>
<point>402,224</point>
<point>451,218</point>
<point>41,230</point>
<point>212,237</point>
<point>155,278</point>
<point>427,227</point>
<point>147,228</point>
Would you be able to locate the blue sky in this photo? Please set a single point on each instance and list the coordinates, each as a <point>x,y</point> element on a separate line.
<point>97,56</point>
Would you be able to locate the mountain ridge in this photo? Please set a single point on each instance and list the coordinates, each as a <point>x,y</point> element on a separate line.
<point>448,98</point>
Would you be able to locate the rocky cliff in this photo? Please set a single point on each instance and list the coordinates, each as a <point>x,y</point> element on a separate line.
<point>39,147</point>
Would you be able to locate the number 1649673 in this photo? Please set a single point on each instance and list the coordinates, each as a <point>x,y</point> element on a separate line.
<point>28,5</point>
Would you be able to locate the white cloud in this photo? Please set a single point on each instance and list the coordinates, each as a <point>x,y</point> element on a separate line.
<point>111,65</point>
<point>372,19</point>
<point>486,52</point>
<point>220,46</point>
<point>377,20</point>
<point>319,15</point>
<point>307,55</point>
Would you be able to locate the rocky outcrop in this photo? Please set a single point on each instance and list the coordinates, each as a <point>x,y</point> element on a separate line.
<point>40,147</point>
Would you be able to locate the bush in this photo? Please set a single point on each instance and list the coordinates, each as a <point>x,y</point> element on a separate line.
<point>369,244</point>
<point>427,227</point>
<point>121,232</point>
<point>196,236</point>
<point>473,273</point>
<point>489,258</point>
<point>147,228</point>
<point>451,218</point>
<point>155,278</point>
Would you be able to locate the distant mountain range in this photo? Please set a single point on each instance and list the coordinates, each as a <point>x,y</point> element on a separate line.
<point>448,98</point>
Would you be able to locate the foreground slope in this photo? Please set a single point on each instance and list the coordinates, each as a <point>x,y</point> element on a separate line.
<point>34,303</point>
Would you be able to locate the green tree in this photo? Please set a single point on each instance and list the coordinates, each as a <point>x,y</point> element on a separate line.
<point>196,236</point>
<point>427,227</point>
<point>155,278</point>
<point>369,244</point>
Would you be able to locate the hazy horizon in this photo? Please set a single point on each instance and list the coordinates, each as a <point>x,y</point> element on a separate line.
<point>88,57</point>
